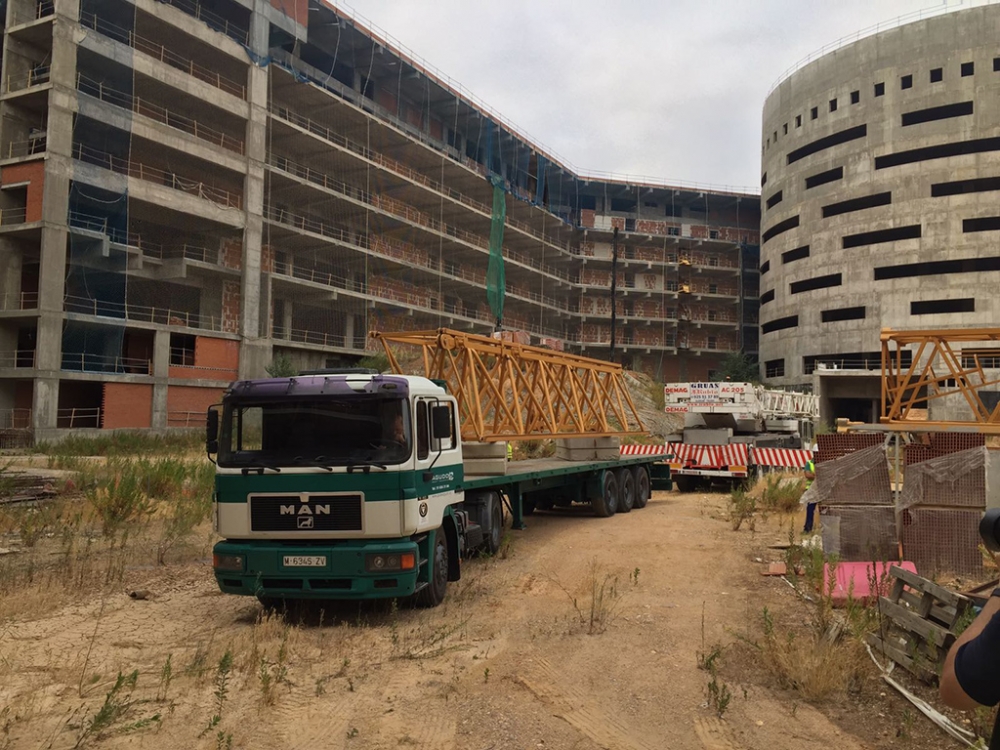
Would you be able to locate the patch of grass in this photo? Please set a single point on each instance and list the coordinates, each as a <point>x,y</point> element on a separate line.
<point>125,443</point>
<point>117,703</point>
<point>601,597</point>
<point>742,507</point>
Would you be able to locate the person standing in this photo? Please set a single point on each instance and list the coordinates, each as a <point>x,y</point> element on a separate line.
<point>810,475</point>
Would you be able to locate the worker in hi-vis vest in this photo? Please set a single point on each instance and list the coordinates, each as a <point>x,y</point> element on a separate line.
<point>810,474</point>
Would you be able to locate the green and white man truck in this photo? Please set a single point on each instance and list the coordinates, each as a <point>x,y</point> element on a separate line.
<point>352,485</point>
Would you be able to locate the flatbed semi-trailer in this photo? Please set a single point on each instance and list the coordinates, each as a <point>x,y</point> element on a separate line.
<point>354,486</point>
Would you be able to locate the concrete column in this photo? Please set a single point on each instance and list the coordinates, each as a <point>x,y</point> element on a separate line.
<point>286,318</point>
<point>255,351</point>
<point>349,330</point>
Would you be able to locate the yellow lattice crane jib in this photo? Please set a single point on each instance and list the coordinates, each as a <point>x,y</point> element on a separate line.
<point>510,391</point>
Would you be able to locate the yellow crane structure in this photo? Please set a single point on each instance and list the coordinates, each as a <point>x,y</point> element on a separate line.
<point>510,391</point>
<point>941,363</point>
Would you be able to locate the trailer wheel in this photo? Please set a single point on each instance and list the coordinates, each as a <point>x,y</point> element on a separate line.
<point>686,483</point>
<point>433,593</point>
<point>606,503</point>
<point>495,532</point>
<point>640,475</point>
<point>626,490</point>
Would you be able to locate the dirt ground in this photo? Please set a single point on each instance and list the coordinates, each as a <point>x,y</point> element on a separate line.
<point>523,654</point>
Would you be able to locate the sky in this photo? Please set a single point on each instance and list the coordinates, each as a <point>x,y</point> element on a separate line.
<point>668,89</point>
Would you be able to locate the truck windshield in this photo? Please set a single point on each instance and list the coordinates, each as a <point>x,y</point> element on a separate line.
<point>318,432</point>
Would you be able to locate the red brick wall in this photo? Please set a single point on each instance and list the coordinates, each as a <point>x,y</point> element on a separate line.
<point>231,306</point>
<point>127,405</point>
<point>587,217</point>
<point>34,174</point>
<point>385,98</point>
<point>185,402</point>
<point>232,253</point>
<point>297,10</point>
<point>214,359</point>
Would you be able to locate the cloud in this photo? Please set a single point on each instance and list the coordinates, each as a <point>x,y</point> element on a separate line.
<point>671,89</point>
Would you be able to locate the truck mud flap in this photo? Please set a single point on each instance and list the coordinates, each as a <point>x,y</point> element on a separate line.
<point>659,477</point>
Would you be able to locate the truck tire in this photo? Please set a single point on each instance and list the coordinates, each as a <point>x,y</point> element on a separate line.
<point>640,475</point>
<point>606,503</point>
<point>626,490</point>
<point>685,483</point>
<point>433,593</point>
<point>494,532</point>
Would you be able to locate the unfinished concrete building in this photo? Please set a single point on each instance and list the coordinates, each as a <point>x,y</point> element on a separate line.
<point>189,189</point>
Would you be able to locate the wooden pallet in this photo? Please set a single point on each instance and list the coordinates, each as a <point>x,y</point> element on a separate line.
<point>918,619</point>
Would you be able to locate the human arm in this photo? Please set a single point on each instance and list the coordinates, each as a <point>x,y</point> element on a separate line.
<point>978,662</point>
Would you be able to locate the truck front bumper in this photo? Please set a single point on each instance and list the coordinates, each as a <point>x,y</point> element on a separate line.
<point>258,568</point>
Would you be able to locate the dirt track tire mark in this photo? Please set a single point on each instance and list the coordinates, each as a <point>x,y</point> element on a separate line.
<point>580,711</point>
<point>714,733</point>
<point>310,722</point>
<point>422,724</point>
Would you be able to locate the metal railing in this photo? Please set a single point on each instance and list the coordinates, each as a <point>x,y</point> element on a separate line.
<point>161,53</point>
<point>91,362</point>
<point>126,311</point>
<point>298,221</point>
<point>219,196</point>
<point>28,147</point>
<point>402,170</point>
<point>212,20</point>
<point>15,419</point>
<point>145,108</point>
<point>35,76</point>
<point>79,417</point>
<point>10,216</point>
<point>178,418</point>
<point>843,363</point>
<point>19,301</point>
<point>18,358</point>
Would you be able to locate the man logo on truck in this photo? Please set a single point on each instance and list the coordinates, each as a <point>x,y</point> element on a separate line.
<point>305,510</point>
<point>305,522</point>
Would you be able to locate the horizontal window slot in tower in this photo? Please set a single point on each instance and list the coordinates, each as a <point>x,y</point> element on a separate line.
<point>835,139</point>
<point>981,224</point>
<point>857,204</point>
<point>942,151</point>
<point>882,235</point>
<point>765,267</point>
<point>767,296</point>
<point>797,254</point>
<point>820,282</point>
<point>792,321</point>
<point>961,187</point>
<point>774,368</point>
<point>943,306</point>
<point>780,228</point>
<point>821,178</point>
<point>843,313</point>
<point>938,268</point>
<point>774,200</point>
<point>931,114</point>
<point>763,179</point>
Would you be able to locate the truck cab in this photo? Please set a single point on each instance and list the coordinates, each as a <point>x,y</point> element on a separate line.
<point>339,485</point>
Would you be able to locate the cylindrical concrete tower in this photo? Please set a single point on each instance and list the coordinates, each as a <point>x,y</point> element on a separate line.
<point>881,195</point>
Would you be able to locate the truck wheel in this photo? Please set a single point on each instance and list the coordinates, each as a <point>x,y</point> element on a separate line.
<point>433,593</point>
<point>640,475</point>
<point>626,490</point>
<point>494,533</point>
<point>606,503</point>
<point>685,483</point>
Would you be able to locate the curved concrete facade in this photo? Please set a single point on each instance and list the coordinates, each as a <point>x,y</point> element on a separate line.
<point>881,194</point>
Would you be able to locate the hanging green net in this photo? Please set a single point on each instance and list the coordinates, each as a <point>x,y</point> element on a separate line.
<point>495,277</point>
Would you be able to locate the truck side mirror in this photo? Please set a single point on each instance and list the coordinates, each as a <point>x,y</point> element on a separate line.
<point>212,430</point>
<point>440,422</point>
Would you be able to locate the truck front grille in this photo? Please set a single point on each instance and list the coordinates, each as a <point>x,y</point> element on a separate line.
<point>304,513</point>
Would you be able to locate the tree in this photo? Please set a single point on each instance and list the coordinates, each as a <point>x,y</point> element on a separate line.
<point>281,367</point>
<point>739,368</point>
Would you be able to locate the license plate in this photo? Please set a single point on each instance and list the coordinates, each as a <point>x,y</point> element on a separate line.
<point>304,561</point>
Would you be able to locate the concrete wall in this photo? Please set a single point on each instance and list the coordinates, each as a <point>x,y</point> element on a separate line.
<point>947,42</point>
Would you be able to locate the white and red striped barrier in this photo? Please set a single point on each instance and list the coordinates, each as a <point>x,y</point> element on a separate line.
<point>644,450</point>
<point>784,458</point>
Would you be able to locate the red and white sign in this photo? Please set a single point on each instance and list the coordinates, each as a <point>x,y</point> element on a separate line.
<point>787,458</point>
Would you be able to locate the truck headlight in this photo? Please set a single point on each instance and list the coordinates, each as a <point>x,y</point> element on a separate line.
<point>228,562</point>
<point>389,562</point>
